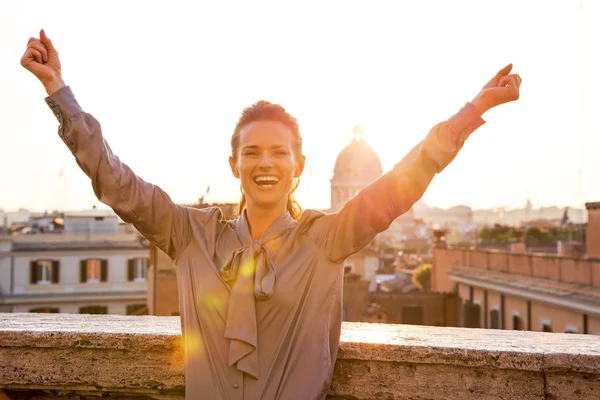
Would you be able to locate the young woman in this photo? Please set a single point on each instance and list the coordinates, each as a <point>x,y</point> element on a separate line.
<point>260,296</point>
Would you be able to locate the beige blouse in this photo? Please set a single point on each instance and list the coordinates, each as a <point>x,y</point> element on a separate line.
<point>258,323</point>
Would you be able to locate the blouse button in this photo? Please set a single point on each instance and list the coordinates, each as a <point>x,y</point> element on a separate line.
<point>235,386</point>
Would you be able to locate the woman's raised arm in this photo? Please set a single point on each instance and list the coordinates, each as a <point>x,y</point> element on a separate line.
<point>375,207</point>
<point>146,206</point>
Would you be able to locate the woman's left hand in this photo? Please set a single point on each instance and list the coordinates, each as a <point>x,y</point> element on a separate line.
<point>502,88</point>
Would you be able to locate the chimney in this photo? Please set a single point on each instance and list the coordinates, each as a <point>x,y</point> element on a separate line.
<point>518,244</point>
<point>439,238</point>
<point>562,248</point>
<point>517,247</point>
<point>593,230</point>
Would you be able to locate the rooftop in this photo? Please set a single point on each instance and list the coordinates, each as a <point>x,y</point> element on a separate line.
<point>593,205</point>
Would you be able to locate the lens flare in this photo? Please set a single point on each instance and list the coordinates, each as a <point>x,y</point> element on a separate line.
<point>248,269</point>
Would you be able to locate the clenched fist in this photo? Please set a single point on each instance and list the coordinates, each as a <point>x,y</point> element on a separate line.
<point>41,59</point>
<point>502,88</point>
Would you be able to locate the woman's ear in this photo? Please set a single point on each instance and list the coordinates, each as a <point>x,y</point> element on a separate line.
<point>234,168</point>
<point>300,166</point>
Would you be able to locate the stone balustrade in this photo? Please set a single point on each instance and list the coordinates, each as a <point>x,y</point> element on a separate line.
<point>63,356</point>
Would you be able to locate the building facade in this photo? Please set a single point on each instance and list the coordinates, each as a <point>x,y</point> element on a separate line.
<point>525,291</point>
<point>94,266</point>
<point>593,230</point>
<point>356,166</point>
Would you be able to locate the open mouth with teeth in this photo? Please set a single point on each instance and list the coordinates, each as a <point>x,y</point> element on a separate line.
<point>266,181</point>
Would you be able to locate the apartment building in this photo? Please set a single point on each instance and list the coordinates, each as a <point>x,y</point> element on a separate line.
<point>525,291</point>
<point>89,263</point>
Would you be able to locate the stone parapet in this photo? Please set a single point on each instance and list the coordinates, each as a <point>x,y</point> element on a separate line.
<point>574,270</point>
<point>60,356</point>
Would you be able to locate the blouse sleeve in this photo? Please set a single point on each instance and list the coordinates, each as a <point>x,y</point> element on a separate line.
<point>376,206</point>
<point>146,206</point>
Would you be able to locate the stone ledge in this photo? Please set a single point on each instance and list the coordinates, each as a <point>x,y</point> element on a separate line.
<point>62,355</point>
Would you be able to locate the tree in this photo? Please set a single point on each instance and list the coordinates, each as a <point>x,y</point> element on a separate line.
<point>422,277</point>
<point>497,234</point>
<point>409,248</point>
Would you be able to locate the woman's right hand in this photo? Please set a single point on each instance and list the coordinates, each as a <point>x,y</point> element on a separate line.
<point>41,59</point>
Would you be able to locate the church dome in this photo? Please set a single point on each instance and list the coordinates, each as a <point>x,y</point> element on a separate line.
<point>358,161</point>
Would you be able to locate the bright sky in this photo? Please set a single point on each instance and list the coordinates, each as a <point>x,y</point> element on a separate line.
<point>167,80</point>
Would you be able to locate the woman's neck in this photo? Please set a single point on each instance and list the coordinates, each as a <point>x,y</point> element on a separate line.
<point>260,219</point>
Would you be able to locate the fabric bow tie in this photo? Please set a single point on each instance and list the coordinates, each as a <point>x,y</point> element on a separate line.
<point>250,273</point>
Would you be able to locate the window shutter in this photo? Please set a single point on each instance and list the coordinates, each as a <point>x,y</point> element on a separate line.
<point>33,272</point>
<point>55,271</point>
<point>130,270</point>
<point>82,271</point>
<point>103,270</point>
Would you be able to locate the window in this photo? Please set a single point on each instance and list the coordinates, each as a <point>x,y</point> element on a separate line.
<point>348,268</point>
<point>472,315</point>
<point>137,309</point>
<point>93,270</point>
<point>137,269</point>
<point>44,310</point>
<point>570,328</point>
<point>546,325</point>
<point>516,322</point>
<point>44,272</point>
<point>93,310</point>
<point>495,319</point>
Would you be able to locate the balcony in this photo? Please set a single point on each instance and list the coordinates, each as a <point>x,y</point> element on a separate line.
<point>67,356</point>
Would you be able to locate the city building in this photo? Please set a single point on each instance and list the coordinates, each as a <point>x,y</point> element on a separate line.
<point>7,219</point>
<point>397,307</point>
<point>593,230</point>
<point>525,291</point>
<point>356,166</point>
<point>80,262</point>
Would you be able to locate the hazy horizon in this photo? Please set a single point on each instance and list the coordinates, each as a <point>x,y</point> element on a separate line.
<point>167,83</point>
<point>507,208</point>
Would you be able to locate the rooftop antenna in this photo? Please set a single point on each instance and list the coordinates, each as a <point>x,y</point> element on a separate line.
<point>580,177</point>
<point>203,197</point>
<point>581,102</point>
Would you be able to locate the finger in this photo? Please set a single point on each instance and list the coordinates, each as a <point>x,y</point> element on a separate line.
<point>510,86</point>
<point>505,71</point>
<point>519,80</point>
<point>33,54</point>
<point>33,39</point>
<point>46,41</point>
<point>41,48</point>
<point>507,81</point>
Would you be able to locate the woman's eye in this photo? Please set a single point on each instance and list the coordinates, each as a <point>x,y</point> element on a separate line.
<point>250,153</point>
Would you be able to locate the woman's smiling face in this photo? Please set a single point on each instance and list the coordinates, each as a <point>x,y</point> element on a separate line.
<point>265,163</point>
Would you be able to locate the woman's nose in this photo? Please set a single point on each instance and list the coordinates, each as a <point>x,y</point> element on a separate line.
<point>265,160</point>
